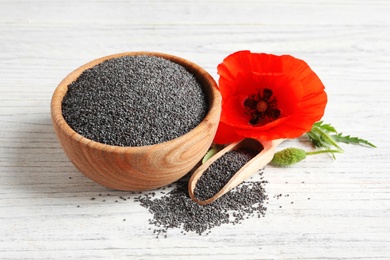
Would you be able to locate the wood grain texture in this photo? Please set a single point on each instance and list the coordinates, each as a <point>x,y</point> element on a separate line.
<point>328,209</point>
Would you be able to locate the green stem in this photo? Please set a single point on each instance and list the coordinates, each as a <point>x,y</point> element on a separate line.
<point>324,151</point>
<point>328,138</point>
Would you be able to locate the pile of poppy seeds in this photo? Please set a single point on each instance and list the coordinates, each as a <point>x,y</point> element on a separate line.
<point>134,101</point>
<point>220,172</point>
<point>176,209</point>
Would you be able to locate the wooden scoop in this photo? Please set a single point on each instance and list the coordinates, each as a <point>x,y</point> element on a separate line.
<point>265,154</point>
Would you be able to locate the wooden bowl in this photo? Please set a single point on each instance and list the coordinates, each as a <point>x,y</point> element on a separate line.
<point>145,167</point>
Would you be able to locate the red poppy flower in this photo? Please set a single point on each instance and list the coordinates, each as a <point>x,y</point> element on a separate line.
<point>267,97</point>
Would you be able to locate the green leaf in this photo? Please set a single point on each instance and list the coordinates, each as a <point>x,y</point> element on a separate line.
<point>324,138</point>
<point>212,151</point>
<point>351,140</point>
<point>325,127</point>
<point>316,140</point>
<point>322,135</point>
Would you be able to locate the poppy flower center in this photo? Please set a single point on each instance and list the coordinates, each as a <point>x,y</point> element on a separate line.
<point>262,107</point>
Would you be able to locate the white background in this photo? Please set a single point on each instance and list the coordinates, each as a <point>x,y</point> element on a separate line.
<point>345,42</point>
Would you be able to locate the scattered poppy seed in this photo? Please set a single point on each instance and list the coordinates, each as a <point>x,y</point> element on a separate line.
<point>175,209</point>
<point>172,208</point>
<point>278,196</point>
<point>134,101</point>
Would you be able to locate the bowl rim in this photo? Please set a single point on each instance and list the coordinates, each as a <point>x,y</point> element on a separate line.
<point>56,103</point>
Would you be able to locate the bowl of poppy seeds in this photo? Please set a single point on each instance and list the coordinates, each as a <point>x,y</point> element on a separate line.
<point>137,120</point>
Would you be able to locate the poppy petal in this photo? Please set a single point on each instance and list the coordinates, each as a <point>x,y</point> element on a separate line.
<point>297,101</point>
<point>226,134</point>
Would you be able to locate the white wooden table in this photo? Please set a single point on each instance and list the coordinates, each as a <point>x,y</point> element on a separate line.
<point>340,208</point>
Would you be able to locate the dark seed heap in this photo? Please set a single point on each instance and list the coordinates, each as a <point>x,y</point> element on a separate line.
<point>220,172</point>
<point>176,210</point>
<point>134,101</point>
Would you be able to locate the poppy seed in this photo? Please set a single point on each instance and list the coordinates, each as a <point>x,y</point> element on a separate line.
<point>175,209</point>
<point>220,172</point>
<point>134,101</point>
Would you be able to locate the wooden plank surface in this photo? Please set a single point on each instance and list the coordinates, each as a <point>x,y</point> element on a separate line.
<point>328,209</point>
